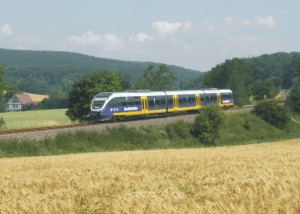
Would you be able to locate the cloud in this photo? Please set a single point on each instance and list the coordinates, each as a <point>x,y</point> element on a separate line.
<point>267,21</point>
<point>229,21</point>
<point>210,27</point>
<point>165,28</point>
<point>7,30</point>
<point>109,42</point>
<point>141,37</point>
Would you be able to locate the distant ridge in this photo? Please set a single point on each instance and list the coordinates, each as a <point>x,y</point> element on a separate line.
<point>27,68</point>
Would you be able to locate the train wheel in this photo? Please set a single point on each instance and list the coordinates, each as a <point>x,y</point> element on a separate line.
<point>117,119</point>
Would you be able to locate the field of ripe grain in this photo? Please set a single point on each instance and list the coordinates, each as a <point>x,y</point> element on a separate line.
<point>262,178</point>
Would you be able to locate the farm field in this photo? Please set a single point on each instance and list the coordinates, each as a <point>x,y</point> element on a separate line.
<point>33,119</point>
<point>261,178</point>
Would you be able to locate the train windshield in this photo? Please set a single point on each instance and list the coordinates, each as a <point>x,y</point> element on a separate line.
<point>100,99</point>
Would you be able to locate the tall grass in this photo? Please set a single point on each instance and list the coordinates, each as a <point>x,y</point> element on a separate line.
<point>240,128</point>
<point>33,119</point>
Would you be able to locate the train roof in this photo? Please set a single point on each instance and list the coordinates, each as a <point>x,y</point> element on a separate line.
<point>160,93</point>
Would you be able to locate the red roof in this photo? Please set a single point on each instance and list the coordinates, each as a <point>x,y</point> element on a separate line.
<point>24,98</point>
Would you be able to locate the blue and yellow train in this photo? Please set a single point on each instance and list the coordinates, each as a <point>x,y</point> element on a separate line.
<point>114,106</point>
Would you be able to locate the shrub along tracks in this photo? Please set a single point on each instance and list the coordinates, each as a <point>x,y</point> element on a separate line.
<point>50,132</point>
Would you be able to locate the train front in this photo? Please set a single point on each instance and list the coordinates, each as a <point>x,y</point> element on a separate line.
<point>98,104</point>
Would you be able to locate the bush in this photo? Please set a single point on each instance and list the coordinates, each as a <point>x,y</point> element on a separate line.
<point>208,124</point>
<point>178,129</point>
<point>272,113</point>
<point>293,100</point>
<point>2,123</point>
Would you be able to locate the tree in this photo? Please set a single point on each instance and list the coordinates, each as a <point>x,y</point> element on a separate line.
<point>272,113</point>
<point>208,124</point>
<point>2,92</point>
<point>85,89</point>
<point>2,84</point>
<point>269,87</point>
<point>293,100</point>
<point>234,74</point>
<point>161,79</point>
<point>57,99</point>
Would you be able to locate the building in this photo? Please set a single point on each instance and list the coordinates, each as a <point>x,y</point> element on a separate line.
<point>19,102</point>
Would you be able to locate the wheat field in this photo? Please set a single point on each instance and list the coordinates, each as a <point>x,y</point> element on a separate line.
<point>262,178</point>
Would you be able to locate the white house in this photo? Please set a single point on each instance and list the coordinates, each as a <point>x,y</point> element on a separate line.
<point>18,101</point>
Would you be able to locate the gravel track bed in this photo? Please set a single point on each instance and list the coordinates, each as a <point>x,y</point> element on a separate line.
<point>40,135</point>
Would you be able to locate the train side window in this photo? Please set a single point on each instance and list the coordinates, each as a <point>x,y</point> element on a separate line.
<point>130,101</point>
<point>111,102</point>
<point>202,98</point>
<point>170,101</point>
<point>151,102</point>
<point>137,101</point>
<point>157,101</point>
<point>117,101</point>
<point>180,100</point>
<point>192,99</point>
<point>207,96</point>
<point>163,101</point>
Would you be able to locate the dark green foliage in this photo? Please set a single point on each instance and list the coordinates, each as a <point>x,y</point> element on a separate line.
<point>234,74</point>
<point>208,124</point>
<point>2,84</point>
<point>116,139</point>
<point>272,113</point>
<point>2,123</point>
<point>293,100</point>
<point>238,128</point>
<point>192,83</point>
<point>267,88</point>
<point>161,79</point>
<point>40,71</point>
<point>257,76</point>
<point>2,90</point>
<point>279,64</point>
<point>84,90</point>
<point>247,125</point>
<point>178,129</point>
<point>244,127</point>
<point>57,99</point>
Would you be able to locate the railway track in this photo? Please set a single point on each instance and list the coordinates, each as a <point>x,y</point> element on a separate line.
<point>52,131</point>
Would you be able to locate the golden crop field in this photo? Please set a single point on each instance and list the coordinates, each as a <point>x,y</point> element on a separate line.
<point>262,178</point>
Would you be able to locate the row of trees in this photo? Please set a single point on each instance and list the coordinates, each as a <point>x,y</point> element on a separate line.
<point>41,71</point>
<point>293,99</point>
<point>235,74</point>
<point>84,90</point>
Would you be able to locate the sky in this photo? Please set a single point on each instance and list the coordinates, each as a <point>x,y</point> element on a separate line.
<point>195,34</point>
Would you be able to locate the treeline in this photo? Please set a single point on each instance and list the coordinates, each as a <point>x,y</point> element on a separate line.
<point>42,71</point>
<point>55,73</point>
<point>254,78</point>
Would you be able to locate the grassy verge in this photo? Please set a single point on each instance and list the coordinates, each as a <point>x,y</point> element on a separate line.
<point>32,119</point>
<point>240,128</point>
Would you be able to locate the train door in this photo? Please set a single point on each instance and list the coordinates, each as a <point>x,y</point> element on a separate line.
<point>175,102</point>
<point>219,99</point>
<point>144,104</point>
<point>197,100</point>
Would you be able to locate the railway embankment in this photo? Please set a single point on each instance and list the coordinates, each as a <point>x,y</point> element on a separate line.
<point>159,133</point>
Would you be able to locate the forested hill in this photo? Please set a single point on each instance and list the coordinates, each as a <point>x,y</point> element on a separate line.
<point>256,77</point>
<point>39,71</point>
<point>281,64</point>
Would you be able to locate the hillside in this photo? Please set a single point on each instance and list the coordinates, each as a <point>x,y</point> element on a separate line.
<point>39,71</point>
<point>281,64</point>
